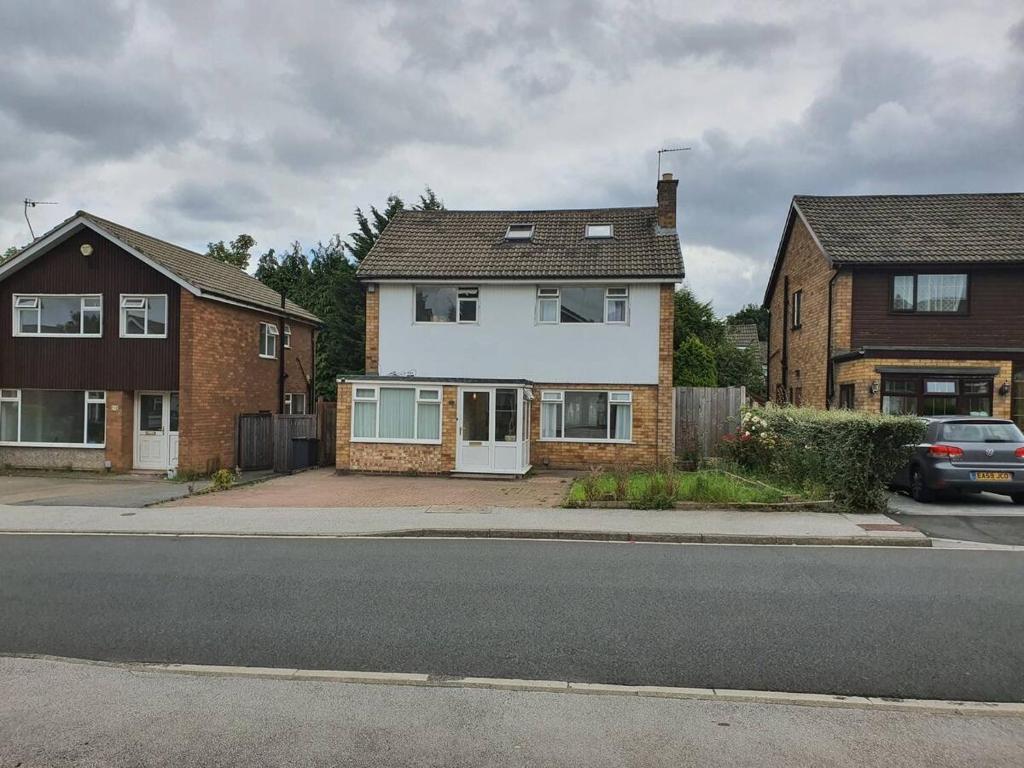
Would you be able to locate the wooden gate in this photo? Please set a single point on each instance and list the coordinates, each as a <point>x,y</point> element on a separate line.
<point>255,440</point>
<point>704,415</point>
<point>327,424</point>
<point>286,428</point>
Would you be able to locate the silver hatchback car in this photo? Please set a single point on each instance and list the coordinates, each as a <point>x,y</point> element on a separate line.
<point>966,454</point>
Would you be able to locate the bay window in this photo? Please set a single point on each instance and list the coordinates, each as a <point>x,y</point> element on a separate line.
<point>936,395</point>
<point>52,315</point>
<point>586,416</point>
<point>53,417</point>
<point>396,414</point>
<point>144,316</point>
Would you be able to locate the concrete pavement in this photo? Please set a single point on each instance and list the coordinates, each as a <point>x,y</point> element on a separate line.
<point>984,518</point>
<point>715,526</point>
<point>55,713</point>
<point>854,621</point>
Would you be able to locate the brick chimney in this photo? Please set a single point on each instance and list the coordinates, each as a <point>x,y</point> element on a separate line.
<point>667,201</point>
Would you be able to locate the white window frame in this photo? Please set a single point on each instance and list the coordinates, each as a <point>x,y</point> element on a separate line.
<point>422,397</point>
<point>289,403</point>
<point>287,336</point>
<point>38,297</point>
<point>144,297</point>
<point>459,298</point>
<point>92,397</point>
<point>588,234</point>
<point>615,397</point>
<point>520,231</point>
<point>553,294</point>
<point>270,331</point>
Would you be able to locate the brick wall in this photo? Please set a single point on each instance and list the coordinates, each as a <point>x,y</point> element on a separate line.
<point>808,270</point>
<point>120,431</point>
<point>222,375</point>
<point>396,457</point>
<point>372,328</point>
<point>666,393</point>
<point>861,373</point>
<point>842,312</point>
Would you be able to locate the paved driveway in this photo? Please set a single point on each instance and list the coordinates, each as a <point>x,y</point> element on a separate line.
<point>87,490</point>
<point>325,488</point>
<point>987,517</point>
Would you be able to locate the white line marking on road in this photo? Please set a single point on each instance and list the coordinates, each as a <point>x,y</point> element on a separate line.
<point>985,708</point>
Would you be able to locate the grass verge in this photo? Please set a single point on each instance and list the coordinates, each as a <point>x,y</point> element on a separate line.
<point>660,489</point>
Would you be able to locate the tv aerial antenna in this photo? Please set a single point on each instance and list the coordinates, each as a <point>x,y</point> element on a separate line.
<point>32,204</point>
<point>669,149</point>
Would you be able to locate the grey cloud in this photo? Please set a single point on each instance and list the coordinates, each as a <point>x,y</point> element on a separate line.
<point>735,42</point>
<point>224,202</point>
<point>106,116</point>
<point>1017,34</point>
<point>63,29</point>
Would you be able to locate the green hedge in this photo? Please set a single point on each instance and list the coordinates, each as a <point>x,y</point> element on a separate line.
<point>853,454</point>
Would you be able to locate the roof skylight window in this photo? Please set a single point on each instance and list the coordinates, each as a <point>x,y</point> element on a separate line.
<point>599,230</point>
<point>519,232</point>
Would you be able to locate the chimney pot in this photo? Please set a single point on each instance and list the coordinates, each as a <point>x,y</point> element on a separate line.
<point>667,201</point>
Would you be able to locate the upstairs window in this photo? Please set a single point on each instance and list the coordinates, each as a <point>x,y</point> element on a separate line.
<point>798,305</point>
<point>599,230</point>
<point>929,293</point>
<point>46,315</point>
<point>519,232</point>
<point>287,336</point>
<point>446,304</point>
<point>144,316</point>
<point>583,304</point>
<point>268,340</point>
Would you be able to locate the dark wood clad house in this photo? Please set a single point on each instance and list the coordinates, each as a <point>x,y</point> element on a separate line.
<point>900,304</point>
<point>122,351</point>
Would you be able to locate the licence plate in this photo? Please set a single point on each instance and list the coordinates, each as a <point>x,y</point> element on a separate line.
<point>991,476</point>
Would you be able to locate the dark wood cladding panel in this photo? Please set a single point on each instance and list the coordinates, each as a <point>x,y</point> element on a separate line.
<point>995,316</point>
<point>110,362</point>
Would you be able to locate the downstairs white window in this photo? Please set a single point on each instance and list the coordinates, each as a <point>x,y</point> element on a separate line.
<point>295,403</point>
<point>396,414</point>
<point>53,417</point>
<point>586,416</point>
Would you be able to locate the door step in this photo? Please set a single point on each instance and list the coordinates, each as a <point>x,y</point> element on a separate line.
<point>484,476</point>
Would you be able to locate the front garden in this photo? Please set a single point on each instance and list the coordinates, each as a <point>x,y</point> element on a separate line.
<point>777,456</point>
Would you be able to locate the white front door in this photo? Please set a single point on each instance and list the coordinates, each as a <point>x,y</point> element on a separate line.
<point>156,430</point>
<point>476,430</point>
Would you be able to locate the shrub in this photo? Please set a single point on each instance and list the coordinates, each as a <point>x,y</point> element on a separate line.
<point>855,455</point>
<point>222,479</point>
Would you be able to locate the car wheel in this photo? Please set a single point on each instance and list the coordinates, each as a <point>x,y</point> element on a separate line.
<point>1018,498</point>
<point>919,490</point>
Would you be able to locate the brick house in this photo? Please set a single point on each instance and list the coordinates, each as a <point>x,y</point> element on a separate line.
<point>122,351</point>
<point>501,340</point>
<point>900,304</point>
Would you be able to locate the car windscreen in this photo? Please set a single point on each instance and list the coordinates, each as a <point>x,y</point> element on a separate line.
<point>981,432</point>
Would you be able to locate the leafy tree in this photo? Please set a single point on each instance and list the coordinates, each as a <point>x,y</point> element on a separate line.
<point>737,367</point>
<point>695,318</point>
<point>369,228</point>
<point>751,314</point>
<point>694,364</point>
<point>8,254</point>
<point>236,253</point>
<point>429,201</point>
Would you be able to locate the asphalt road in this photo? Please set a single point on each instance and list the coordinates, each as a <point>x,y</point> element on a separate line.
<point>870,621</point>
<point>58,714</point>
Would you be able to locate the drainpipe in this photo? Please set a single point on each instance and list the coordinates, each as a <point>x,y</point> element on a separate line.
<point>280,361</point>
<point>785,338</point>
<point>829,372</point>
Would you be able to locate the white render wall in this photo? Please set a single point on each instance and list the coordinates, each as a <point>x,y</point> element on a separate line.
<point>508,343</point>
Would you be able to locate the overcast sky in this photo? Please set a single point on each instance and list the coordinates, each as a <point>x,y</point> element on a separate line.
<point>195,121</point>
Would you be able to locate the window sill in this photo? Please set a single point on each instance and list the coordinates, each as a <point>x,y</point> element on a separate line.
<point>51,445</point>
<point>393,441</point>
<point>57,335</point>
<point>584,440</point>
<point>143,336</point>
<point>269,357</point>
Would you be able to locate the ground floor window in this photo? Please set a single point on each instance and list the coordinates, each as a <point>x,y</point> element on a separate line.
<point>1018,398</point>
<point>583,415</point>
<point>396,414</point>
<point>846,396</point>
<point>52,417</point>
<point>936,395</point>
<point>295,403</point>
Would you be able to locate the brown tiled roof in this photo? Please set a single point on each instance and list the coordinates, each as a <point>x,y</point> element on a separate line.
<point>200,271</point>
<point>895,229</point>
<point>744,336</point>
<point>472,245</point>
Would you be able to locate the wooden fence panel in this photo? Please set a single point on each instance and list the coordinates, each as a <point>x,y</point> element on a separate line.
<point>704,415</point>
<point>255,441</point>
<point>327,424</point>
<point>287,427</point>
